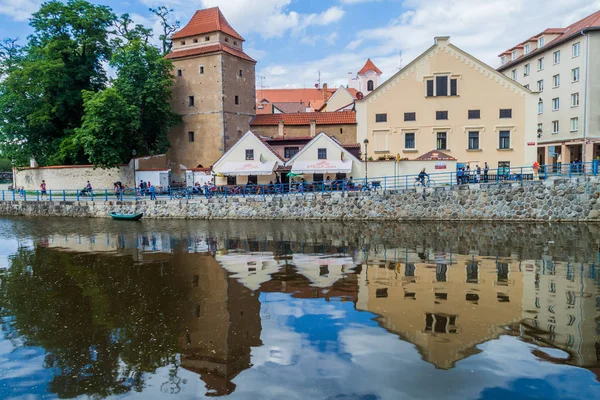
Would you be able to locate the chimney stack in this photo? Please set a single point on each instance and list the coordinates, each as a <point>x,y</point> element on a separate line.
<point>280,129</point>
<point>325,93</point>
<point>313,128</point>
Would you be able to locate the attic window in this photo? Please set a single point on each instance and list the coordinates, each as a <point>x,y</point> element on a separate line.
<point>235,42</point>
<point>179,72</point>
<point>227,39</point>
<point>183,42</point>
<point>195,40</point>
<point>206,38</point>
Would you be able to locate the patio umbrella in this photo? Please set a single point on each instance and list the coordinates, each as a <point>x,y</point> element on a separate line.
<point>292,174</point>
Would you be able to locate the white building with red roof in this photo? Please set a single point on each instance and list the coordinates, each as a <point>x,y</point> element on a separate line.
<point>367,78</point>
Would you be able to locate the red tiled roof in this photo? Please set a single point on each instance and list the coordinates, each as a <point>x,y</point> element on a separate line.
<point>205,21</point>
<point>369,66</point>
<point>211,48</point>
<point>264,140</point>
<point>321,118</point>
<point>288,108</point>
<point>435,155</point>
<point>312,97</point>
<point>590,22</point>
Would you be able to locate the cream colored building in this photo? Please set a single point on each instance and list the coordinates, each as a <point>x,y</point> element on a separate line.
<point>213,91</point>
<point>562,64</point>
<point>341,100</point>
<point>448,100</point>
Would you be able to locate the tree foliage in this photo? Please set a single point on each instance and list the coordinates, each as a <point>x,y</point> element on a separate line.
<point>55,93</point>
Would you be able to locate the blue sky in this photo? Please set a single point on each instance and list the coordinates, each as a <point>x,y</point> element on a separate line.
<point>295,39</point>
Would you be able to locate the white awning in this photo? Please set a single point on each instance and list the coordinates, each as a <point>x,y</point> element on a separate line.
<point>247,168</point>
<point>322,167</point>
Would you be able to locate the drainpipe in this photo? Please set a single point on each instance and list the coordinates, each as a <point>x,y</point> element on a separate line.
<point>587,69</point>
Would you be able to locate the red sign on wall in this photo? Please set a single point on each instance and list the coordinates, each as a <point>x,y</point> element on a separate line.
<point>530,143</point>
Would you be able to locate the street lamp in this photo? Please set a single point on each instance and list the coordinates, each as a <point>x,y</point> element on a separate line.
<point>366,142</point>
<point>539,132</point>
<point>133,153</point>
<point>14,175</point>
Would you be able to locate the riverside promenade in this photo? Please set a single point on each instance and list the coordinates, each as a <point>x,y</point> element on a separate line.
<point>552,199</point>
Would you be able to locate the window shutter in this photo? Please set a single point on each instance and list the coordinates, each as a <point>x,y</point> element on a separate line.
<point>429,88</point>
<point>453,84</point>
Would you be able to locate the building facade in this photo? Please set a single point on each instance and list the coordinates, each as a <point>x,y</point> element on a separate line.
<point>448,100</point>
<point>213,90</point>
<point>559,63</point>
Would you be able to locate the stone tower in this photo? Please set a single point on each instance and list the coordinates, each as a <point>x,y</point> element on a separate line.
<point>213,90</point>
<point>367,78</point>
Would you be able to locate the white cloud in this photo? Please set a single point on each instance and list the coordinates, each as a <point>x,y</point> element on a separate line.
<point>353,45</point>
<point>19,10</point>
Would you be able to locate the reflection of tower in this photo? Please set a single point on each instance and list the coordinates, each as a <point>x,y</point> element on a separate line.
<point>223,324</point>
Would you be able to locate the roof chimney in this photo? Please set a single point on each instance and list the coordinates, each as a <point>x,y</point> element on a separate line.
<point>313,128</point>
<point>325,92</point>
<point>280,129</point>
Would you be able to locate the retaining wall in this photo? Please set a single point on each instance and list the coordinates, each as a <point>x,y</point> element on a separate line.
<point>574,199</point>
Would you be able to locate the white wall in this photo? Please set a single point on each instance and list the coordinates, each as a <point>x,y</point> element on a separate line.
<point>73,177</point>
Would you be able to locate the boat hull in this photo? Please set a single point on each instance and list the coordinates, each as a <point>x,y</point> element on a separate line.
<point>126,217</point>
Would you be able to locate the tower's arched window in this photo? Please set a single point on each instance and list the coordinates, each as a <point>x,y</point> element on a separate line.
<point>370,86</point>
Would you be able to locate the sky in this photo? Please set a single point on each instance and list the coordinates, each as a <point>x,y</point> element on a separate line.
<point>295,40</point>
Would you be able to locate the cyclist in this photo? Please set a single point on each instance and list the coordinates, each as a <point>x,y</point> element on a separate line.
<point>422,176</point>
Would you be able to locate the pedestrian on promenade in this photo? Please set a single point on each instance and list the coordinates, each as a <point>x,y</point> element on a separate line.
<point>478,176</point>
<point>152,196</point>
<point>486,169</point>
<point>459,176</point>
<point>536,167</point>
<point>43,188</point>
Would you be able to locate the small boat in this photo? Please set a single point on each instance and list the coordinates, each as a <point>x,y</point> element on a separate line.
<point>126,217</point>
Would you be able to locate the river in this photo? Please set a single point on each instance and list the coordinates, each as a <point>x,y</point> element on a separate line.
<point>298,310</point>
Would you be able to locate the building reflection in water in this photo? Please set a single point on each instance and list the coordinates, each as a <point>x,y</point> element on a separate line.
<point>444,303</point>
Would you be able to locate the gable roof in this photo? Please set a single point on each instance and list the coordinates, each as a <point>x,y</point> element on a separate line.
<point>434,155</point>
<point>369,66</point>
<point>338,92</point>
<point>591,22</point>
<point>211,48</point>
<point>289,108</point>
<point>266,146</point>
<point>304,118</point>
<point>330,139</point>
<point>445,39</point>
<point>205,21</point>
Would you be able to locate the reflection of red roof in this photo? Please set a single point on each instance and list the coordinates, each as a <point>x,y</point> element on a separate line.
<point>321,118</point>
<point>435,155</point>
<point>591,21</point>
<point>205,21</point>
<point>212,48</point>
<point>369,66</point>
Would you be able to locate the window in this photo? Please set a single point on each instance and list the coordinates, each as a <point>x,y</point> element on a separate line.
<point>503,167</point>
<point>237,99</point>
<point>441,86</point>
<point>513,74</point>
<point>409,140</point>
<point>575,100</point>
<point>183,42</point>
<point>504,140</point>
<point>453,87</point>
<point>179,72</point>
<point>441,141</point>
<point>556,81</point>
<point>410,116</point>
<point>503,60</point>
<point>574,124</point>
<point>541,42</point>
<point>429,88</point>
<point>575,74</point>
<point>540,64</point>
<point>555,104</point>
<point>206,38</point>
<point>576,49</point>
<point>474,114</point>
<point>474,140</point>
<point>506,113</point>
<point>380,117</point>
<point>513,55</point>
<point>540,85</point>
<point>370,86</point>
<point>249,154</point>
<point>556,57</point>
<point>526,69</point>
<point>555,126</point>
<point>235,42</point>
<point>201,69</point>
<point>527,48</point>
<point>190,101</point>
<point>322,154</point>
<point>441,115</point>
<point>190,137</point>
<point>195,40</point>
<point>540,107</point>
<point>289,152</point>
<point>240,73</point>
<point>227,40</point>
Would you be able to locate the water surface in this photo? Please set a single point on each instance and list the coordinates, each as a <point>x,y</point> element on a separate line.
<point>297,310</point>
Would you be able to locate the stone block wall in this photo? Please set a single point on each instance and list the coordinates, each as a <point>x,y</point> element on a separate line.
<point>553,200</point>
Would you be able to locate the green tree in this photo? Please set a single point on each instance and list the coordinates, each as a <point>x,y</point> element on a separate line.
<point>167,26</point>
<point>5,165</point>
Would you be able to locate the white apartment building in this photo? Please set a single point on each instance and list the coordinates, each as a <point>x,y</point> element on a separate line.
<point>563,66</point>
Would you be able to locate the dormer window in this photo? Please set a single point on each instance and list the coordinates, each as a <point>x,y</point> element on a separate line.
<point>527,48</point>
<point>235,42</point>
<point>206,38</point>
<point>541,41</point>
<point>503,60</point>
<point>183,42</point>
<point>195,40</point>
<point>227,39</point>
<point>513,55</point>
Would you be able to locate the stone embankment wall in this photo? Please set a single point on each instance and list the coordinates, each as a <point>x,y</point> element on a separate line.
<point>574,199</point>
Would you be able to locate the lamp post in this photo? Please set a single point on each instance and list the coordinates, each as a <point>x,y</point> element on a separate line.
<point>366,142</point>
<point>133,153</point>
<point>14,175</point>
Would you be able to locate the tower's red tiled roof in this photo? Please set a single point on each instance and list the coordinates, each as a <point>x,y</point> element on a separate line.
<point>205,21</point>
<point>211,48</point>
<point>321,118</point>
<point>590,22</point>
<point>369,66</point>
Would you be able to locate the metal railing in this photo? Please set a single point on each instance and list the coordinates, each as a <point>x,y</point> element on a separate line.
<point>301,188</point>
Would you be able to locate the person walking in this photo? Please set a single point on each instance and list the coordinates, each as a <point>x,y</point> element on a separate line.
<point>486,170</point>
<point>478,176</point>
<point>152,196</point>
<point>536,167</point>
<point>459,176</point>
<point>43,188</point>
<point>88,188</point>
